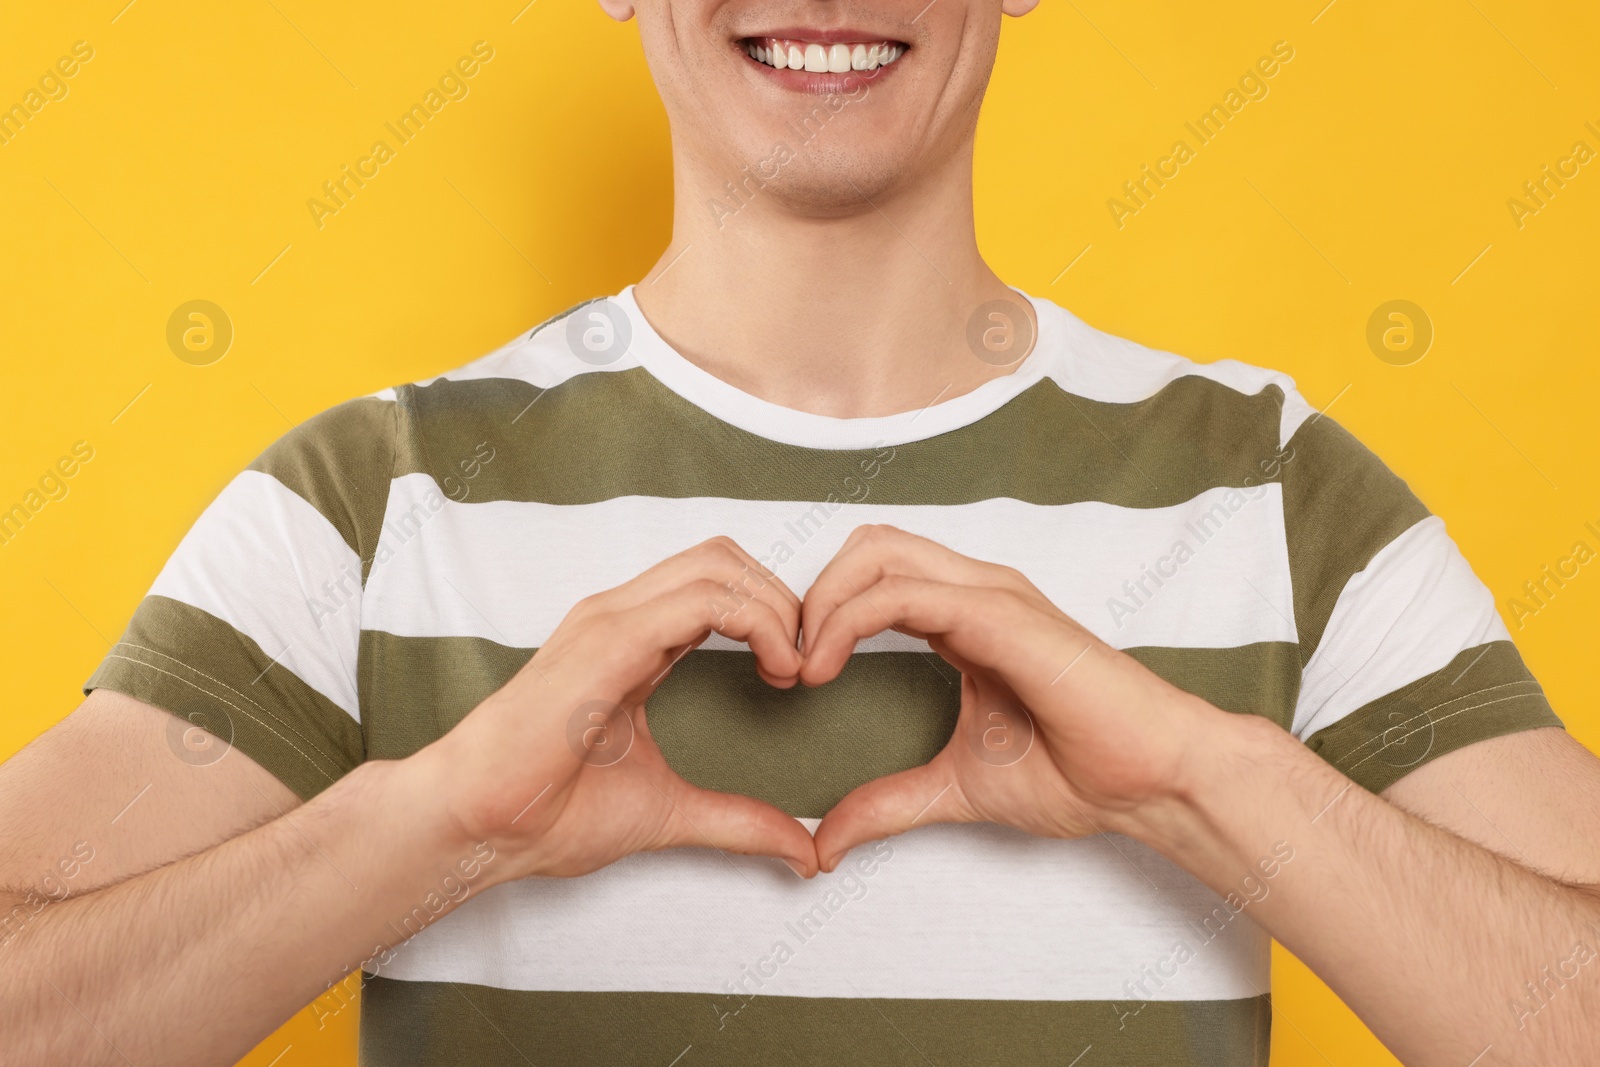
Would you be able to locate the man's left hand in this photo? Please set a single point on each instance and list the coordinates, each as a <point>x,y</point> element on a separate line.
<point>1059,734</point>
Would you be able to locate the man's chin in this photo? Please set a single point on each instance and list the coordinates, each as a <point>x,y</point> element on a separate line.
<point>832,180</point>
<point>833,194</point>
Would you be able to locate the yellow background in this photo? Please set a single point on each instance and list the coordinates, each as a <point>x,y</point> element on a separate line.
<point>1378,167</point>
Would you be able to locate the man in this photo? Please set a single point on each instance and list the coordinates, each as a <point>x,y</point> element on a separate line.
<point>1152,660</point>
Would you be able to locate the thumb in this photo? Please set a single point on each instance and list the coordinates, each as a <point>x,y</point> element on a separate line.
<point>702,818</point>
<point>888,806</point>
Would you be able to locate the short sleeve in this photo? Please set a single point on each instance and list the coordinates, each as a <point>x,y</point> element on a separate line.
<point>1404,657</point>
<point>251,631</point>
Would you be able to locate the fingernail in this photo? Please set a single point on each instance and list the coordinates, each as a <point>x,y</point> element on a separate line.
<point>795,867</point>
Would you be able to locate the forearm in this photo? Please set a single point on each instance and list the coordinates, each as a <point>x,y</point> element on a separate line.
<point>1431,940</point>
<point>197,961</point>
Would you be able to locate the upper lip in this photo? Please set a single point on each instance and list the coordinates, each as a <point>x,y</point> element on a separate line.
<point>845,35</point>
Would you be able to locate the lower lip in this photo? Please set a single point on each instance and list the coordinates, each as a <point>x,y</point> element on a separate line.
<point>821,83</point>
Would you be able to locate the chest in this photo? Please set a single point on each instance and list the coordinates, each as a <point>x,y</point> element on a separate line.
<point>462,594</point>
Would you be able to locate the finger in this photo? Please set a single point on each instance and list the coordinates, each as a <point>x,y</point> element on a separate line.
<point>706,819</point>
<point>770,637</point>
<point>872,553</point>
<point>720,559</point>
<point>891,805</point>
<point>639,644</point>
<point>968,619</point>
<point>751,581</point>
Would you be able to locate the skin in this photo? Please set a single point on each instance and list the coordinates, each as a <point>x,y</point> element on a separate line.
<point>845,286</point>
<point>216,864</point>
<point>843,289</point>
<point>1407,905</point>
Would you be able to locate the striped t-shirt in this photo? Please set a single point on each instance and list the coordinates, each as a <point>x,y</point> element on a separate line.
<point>390,563</point>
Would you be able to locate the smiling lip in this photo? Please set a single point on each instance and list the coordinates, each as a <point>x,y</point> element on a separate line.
<point>822,61</point>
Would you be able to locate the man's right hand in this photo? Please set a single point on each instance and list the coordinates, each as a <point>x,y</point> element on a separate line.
<point>558,770</point>
<point>195,868</point>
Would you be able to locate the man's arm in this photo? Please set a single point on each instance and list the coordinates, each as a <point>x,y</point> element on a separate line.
<point>1450,952</point>
<point>138,960</point>
<point>112,791</point>
<point>1533,797</point>
<point>1433,939</point>
<point>125,939</point>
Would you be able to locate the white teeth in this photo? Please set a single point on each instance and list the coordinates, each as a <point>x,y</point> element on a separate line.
<point>821,58</point>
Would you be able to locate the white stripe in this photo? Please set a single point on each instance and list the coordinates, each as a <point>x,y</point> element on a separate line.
<point>510,571</point>
<point>774,422</point>
<point>1115,370</point>
<point>1080,359</point>
<point>1407,614</point>
<point>542,358</point>
<point>970,912</point>
<point>261,559</point>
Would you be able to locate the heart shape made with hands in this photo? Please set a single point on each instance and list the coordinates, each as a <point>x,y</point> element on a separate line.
<point>900,739</point>
<point>1019,716</point>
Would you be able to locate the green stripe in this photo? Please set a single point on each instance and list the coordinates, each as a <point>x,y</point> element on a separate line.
<point>717,723</point>
<point>1260,679</point>
<point>803,749</point>
<point>1484,692</point>
<point>224,683</point>
<point>414,689</point>
<point>1341,506</point>
<point>424,1024</point>
<point>608,434</point>
<point>341,462</point>
<point>721,727</point>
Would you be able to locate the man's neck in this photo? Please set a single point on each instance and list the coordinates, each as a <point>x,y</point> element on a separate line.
<point>864,313</point>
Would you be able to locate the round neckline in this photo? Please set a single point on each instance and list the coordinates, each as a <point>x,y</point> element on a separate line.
<point>792,426</point>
